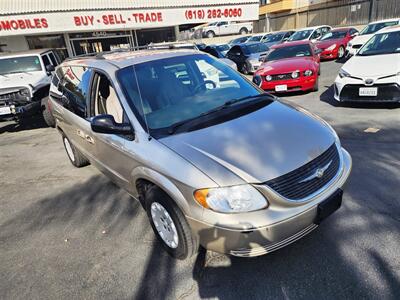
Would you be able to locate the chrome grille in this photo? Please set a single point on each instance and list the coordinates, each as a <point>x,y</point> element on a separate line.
<point>306,180</point>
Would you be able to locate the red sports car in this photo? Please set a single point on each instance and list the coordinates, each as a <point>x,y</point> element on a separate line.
<point>333,44</point>
<point>289,67</point>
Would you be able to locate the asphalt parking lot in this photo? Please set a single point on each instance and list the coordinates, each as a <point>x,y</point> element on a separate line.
<point>70,233</point>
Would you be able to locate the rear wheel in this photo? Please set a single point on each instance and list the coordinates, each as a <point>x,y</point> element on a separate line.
<point>169,224</point>
<point>210,34</point>
<point>76,158</point>
<point>46,113</point>
<point>243,30</point>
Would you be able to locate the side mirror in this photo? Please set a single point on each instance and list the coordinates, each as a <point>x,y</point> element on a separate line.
<point>107,124</point>
<point>50,68</point>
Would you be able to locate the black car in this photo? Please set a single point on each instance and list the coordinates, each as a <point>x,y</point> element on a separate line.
<point>218,51</point>
<point>248,56</point>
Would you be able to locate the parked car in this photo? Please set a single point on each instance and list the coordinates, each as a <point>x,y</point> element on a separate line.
<point>239,40</point>
<point>219,50</point>
<point>277,37</point>
<point>24,84</point>
<point>257,37</point>
<point>289,67</point>
<point>227,28</point>
<point>247,56</point>
<point>373,73</point>
<point>367,33</point>
<point>310,33</point>
<point>334,43</point>
<point>220,165</point>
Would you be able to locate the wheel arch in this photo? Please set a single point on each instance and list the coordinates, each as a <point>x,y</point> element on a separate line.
<point>142,177</point>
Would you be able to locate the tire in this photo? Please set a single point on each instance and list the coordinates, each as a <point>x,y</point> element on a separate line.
<point>210,34</point>
<point>341,52</point>
<point>316,86</point>
<point>319,71</point>
<point>75,157</point>
<point>46,113</point>
<point>243,31</point>
<point>245,69</point>
<point>178,241</point>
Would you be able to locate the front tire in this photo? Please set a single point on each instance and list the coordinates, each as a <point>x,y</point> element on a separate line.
<point>169,224</point>
<point>245,69</point>
<point>74,155</point>
<point>341,53</point>
<point>316,86</point>
<point>46,113</point>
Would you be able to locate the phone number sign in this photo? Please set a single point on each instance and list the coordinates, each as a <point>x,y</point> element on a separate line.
<point>123,19</point>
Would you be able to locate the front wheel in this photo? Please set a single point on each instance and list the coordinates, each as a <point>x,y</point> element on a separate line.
<point>46,113</point>
<point>341,52</point>
<point>245,69</point>
<point>169,224</point>
<point>210,34</point>
<point>316,86</point>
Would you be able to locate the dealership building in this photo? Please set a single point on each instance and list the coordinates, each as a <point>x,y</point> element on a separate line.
<point>86,26</point>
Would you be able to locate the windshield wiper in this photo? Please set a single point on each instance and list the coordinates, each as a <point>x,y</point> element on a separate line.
<point>228,103</point>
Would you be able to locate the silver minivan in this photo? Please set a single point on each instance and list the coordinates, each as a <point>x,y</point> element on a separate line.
<point>213,160</point>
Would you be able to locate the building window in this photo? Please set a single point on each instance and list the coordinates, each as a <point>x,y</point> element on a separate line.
<point>48,41</point>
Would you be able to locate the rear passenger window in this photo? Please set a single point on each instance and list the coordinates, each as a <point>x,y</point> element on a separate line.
<point>76,88</point>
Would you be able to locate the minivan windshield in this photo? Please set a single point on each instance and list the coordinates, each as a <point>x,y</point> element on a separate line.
<point>301,35</point>
<point>288,52</point>
<point>383,43</point>
<point>372,28</point>
<point>19,64</point>
<point>165,92</point>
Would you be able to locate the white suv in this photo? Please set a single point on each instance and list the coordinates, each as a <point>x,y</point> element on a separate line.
<point>25,79</point>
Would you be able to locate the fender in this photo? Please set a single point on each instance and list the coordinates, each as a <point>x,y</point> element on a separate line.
<point>161,181</point>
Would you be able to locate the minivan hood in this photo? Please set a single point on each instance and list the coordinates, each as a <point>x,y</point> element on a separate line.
<point>256,147</point>
<point>366,66</point>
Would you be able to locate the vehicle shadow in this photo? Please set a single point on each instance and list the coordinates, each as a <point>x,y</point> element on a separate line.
<point>328,97</point>
<point>29,123</point>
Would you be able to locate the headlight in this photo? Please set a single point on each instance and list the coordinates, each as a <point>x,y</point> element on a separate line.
<point>330,48</point>
<point>268,78</point>
<point>24,92</point>
<point>234,199</point>
<point>308,72</point>
<point>343,73</point>
<point>254,62</point>
<point>295,74</point>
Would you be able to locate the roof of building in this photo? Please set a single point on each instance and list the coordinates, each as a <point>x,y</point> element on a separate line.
<point>9,7</point>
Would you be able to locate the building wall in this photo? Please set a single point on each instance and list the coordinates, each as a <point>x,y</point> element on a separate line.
<point>13,42</point>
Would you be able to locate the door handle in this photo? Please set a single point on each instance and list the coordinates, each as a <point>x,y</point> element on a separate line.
<point>89,139</point>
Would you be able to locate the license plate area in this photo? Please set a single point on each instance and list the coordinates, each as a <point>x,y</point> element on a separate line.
<point>281,88</point>
<point>368,91</point>
<point>5,110</point>
<point>329,206</point>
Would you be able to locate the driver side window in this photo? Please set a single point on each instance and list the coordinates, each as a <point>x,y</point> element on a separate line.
<point>106,100</point>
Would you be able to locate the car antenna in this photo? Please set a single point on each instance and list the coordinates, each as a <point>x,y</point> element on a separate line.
<point>141,101</point>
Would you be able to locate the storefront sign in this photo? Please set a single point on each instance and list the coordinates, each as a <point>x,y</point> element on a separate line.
<point>123,19</point>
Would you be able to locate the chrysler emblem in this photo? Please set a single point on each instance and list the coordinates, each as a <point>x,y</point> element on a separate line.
<point>318,173</point>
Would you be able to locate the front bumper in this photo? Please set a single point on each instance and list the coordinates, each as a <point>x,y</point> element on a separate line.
<point>347,90</point>
<point>267,230</point>
<point>21,110</point>
<point>326,55</point>
<point>293,85</point>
